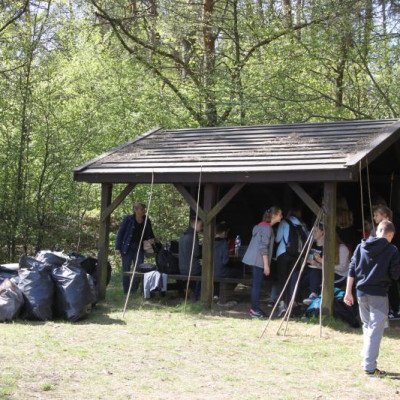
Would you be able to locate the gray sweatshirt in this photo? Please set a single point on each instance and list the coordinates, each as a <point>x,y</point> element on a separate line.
<point>261,243</point>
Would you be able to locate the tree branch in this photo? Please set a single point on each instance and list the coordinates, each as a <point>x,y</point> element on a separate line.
<point>167,81</point>
<point>114,22</point>
<point>16,16</point>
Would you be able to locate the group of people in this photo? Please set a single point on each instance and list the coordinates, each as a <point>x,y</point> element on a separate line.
<point>374,268</point>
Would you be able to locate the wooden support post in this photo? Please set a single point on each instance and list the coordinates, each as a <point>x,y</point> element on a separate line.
<point>308,200</point>
<point>104,234</point>
<point>207,275</point>
<point>329,247</point>
<point>190,200</point>
<point>118,200</point>
<point>234,190</point>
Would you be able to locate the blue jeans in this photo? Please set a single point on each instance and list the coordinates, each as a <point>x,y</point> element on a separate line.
<point>258,275</point>
<point>127,260</point>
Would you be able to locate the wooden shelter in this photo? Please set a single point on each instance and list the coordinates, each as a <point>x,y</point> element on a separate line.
<point>295,154</point>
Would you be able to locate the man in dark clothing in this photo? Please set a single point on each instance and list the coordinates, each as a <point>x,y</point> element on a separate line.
<point>128,240</point>
<point>374,263</point>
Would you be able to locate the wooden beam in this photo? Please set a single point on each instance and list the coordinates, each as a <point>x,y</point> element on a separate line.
<point>218,176</point>
<point>190,200</point>
<point>329,247</point>
<point>118,200</point>
<point>104,236</point>
<point>207,273</point>
<point>308,200</point>
<point>233,191</point>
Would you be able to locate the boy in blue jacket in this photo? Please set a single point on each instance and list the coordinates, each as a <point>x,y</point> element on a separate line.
<point>374,263</point>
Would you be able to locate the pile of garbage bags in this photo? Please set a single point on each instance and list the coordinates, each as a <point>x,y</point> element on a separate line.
<point>51,285</point>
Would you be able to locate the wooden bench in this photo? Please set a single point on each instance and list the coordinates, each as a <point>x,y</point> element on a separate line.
<point>225,283</point>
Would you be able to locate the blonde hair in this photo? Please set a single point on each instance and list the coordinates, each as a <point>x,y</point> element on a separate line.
<point>267,216</point>
<point>383,210</point>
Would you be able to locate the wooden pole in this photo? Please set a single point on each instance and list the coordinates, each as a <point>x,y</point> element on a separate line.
<point>104,235</point>
<point>207,275</point>
<point>329,247</point>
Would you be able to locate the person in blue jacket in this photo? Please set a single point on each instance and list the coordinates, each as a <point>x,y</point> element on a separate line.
<point>285,262</point>
<point>128,239</point>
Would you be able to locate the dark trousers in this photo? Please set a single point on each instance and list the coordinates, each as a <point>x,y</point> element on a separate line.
<point>127,260</point>
<point>311,278</point>
<point>258,275</point>
<point>285,264</point>
<point>232,272</point>
<point>393,295</point>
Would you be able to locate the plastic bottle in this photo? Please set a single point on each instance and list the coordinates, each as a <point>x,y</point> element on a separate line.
<point>238,243</point>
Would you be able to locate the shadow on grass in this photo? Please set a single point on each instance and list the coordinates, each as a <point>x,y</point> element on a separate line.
<point>395,376</point>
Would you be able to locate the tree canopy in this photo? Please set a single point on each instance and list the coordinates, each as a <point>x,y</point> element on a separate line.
<point>79,77</point>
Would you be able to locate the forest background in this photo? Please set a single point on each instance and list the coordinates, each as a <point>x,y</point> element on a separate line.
<point>80,77</point>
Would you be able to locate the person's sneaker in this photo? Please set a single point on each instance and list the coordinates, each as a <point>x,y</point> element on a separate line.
<point>393,316</point>
<point>257,314</point>
<point>281,309</point>
<point>310,299</point>
<point>271,303</point>
<point>377,373</point>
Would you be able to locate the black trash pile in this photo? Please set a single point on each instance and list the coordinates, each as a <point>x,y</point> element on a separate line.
<point>51,285</point>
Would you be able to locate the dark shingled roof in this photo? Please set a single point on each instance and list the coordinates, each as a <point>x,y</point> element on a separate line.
<point>265,153</point>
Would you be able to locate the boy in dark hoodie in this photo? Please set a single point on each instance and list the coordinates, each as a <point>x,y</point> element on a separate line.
<point>374,263</point>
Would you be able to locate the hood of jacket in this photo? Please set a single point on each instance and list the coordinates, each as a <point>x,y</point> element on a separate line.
<point>374,246</point>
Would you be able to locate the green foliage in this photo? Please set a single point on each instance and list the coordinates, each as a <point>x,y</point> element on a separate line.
<point>73,85</point>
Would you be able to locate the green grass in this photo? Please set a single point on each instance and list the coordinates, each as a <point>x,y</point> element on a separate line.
<point>158,352</point>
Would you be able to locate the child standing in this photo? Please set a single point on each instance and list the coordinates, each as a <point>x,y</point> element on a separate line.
<point>259,255</point>
<point>374,263</point>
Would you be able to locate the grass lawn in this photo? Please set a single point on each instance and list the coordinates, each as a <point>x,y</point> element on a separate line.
<point>158,352</point>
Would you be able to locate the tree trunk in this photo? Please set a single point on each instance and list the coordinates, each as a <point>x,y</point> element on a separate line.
<point>209,64</point>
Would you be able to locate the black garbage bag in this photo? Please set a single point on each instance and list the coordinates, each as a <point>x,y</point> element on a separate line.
<point>11,300</point>
<point>52,258</point>
<point>93,290</point>
<point>349,314</point>
<point>73,294</point>
<point>38,289</point>
<point>9,271</point>
<point>89,264</point>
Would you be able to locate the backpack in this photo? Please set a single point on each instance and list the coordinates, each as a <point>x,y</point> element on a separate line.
<point>296,240</point>
<point>166,262</point>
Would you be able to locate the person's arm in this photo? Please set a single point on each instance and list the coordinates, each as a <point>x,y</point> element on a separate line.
<point>264,248</point>
<point>280,234</point>
<point>149,230</point>
<point>348,297</point>
<point>267,270</point>
<point>343,265</point>
<point>120,235</point>
<point>317,261</point>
